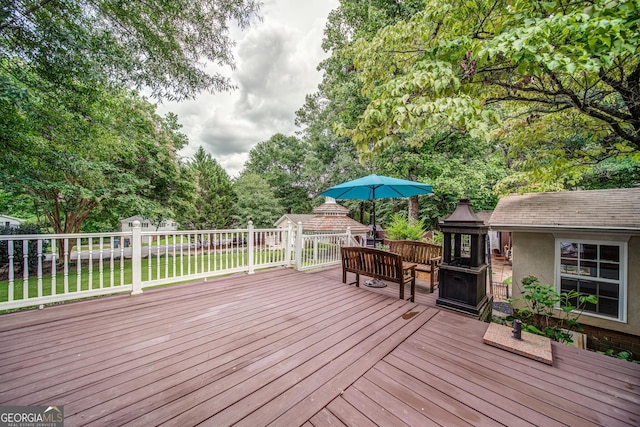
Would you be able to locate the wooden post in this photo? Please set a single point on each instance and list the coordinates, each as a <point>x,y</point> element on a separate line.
<point>136,258</point>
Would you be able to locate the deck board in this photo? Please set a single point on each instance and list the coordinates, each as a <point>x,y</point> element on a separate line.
<point>353,401</point>
<point>587,389</point>
<point>327,419</point>
<point>281,347</point>
<point>350,416</point>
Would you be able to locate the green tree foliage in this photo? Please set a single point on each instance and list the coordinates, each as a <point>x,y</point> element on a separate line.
<point>519,70</point>
<point>161,45</point>
<point>214,195</point>
<point>456,165</point>
<point>339,100</point>
<point>75,154</point>
<point>256,201</point>
<point>612,173</point>
<point>18,205</point>
<point>280,161</point>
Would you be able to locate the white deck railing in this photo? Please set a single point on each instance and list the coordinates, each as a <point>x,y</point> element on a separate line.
<point>47,268</point>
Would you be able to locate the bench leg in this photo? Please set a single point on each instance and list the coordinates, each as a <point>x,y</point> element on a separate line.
<point>402,289</point>
<point>357,280</point>
<point>413,289</point>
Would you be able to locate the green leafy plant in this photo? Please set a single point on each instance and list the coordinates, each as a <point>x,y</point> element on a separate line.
<point>438,238</point>
<point>622,355</point>
<point>403,229</point>
<point>539,308</point>
<point>382,247</point>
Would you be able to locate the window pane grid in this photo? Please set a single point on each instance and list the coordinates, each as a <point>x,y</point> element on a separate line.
<point>592,269</point>
<point>607,304</point>
<point>581,259</point>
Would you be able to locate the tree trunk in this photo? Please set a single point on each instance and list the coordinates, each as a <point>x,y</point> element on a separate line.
<point>413,209</point>
<point>64,222</point>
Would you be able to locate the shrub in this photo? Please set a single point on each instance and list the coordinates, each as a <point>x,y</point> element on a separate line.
<point>17,248</point>
<point>403,229</point>
<point>540,302</point>
<point>438,238</point>
<point>621,355</point>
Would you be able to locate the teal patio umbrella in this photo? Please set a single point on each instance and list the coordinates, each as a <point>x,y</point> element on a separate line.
<point>374,187</point>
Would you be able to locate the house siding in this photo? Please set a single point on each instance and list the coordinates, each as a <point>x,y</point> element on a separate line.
<point>534,255</point>
<point>9,221</point>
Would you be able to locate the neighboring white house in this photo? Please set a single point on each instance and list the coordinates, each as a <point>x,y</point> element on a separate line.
<point>148,225</point>
<point>294,219</point>
<point>9,221</point>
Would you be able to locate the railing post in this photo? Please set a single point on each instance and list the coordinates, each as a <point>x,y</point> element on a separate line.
<point>136,258</point>
<point>287,244</point>
<point>250,246</point>
<point>316,247</point>
<point>299,247</point>
<point>349,236</point>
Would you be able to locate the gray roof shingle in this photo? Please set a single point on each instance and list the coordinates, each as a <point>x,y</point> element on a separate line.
<point>615,209</point>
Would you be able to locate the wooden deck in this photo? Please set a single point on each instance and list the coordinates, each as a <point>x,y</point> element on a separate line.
<point>287,348</point>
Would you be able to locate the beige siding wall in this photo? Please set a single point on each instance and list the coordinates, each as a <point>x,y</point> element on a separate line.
<point>534,255</point>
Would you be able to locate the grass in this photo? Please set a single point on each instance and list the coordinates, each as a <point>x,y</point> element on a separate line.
<point>162,267</point>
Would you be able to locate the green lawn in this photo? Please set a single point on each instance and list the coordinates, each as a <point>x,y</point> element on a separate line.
<point>161,267</point>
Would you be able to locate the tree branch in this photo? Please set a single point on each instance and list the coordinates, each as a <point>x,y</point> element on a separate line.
<point>28,12</point>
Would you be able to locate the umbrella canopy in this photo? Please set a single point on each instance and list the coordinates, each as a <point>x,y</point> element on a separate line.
<point>376,187</point>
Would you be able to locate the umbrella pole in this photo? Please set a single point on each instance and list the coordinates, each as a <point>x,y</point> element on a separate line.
<point>374,217</point>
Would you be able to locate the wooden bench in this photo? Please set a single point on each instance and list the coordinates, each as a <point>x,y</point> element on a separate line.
<point>426,256</point>
<point>378,264</point>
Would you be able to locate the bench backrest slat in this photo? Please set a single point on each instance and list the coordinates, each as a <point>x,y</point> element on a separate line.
<point>384,264</point>
<point>414,251</point>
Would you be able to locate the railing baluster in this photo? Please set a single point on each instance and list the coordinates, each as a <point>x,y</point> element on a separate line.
<point>209,252</point>
<point>215,241</point>
<point>101,262</point>
<point>25,269</point>
<point>175,241</point>
<point>39,251</point>
<point>189,254</point>
<point>11,271</point>
<point>202,253</point>
<point>122,240</point>
<point>78,264</point>
<point>112,278</point>
<point>166,256</point>
<point>181,255</point>
<point>66,266</point>
<point>157,257</point>
<point>54,274</point>
<point>90,247</point>
<point>149,256</point>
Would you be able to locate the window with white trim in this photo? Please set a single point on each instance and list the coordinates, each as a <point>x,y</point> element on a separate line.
<point>597,268</point>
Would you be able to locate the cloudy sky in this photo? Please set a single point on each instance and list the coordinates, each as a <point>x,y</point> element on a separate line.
<point>276,62</point>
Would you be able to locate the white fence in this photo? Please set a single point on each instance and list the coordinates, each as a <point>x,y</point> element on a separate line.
<point>48,268</point>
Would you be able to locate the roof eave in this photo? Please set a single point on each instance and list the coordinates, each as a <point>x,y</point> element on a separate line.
<point>568,228</point>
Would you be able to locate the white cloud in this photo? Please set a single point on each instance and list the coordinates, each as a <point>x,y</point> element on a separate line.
<point>276,67</point>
